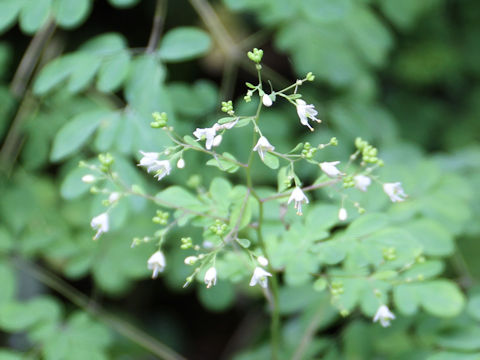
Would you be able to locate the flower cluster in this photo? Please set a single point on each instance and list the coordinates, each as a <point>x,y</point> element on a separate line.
<point>151,161</point>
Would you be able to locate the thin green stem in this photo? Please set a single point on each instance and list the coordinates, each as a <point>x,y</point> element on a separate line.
<point>79,299</point>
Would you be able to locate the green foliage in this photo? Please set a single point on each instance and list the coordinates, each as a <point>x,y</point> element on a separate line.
<point>402,75</point>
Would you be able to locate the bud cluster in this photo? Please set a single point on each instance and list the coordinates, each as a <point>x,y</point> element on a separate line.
<point>159,120</point>
<point>161,217</point>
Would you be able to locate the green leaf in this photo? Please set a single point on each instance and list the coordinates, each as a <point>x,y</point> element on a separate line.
<point>369,35</point>
<point>474,307</point>
<point>184,43</point>
<point>224,164</point>
<point>220,192</point>
<point>325,10</point>
<point>53,74</point>
<point>34,14</point>
<point>271,161</point>
<point>108,44</point>
<point>75,133</point>
<point>84,66</point>
<point>10,355</point>
<point>435,238</point>
<point>241,206</point>
<point>444,355</point>
<point>80,338</point>
<point>9,10</point>
<point>465,338</point>
<point>194,100</point>
<point>191,141</point>
<point>245,243</point>
<point>113,72</point>
<point>366,224</point>
<point>176,196</point>
<point>406,299</point>
<point>18,316</point>
<point>123,3</point>
<point>441,298</point>
<point>144,86</point>
<point>108,131</point>
<point>404,13</point>
<point>71,13</point>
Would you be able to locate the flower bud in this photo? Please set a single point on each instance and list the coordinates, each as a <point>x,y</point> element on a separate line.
<point>217,140</point>
<point>180,163</point>
<point>267,100</point>
<point>88,179</point>
<point>342,214</point>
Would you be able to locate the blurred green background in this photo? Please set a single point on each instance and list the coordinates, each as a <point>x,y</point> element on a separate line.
<point>78,77</point>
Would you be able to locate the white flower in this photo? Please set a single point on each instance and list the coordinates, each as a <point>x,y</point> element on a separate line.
<point>190,260</point>
<point>263,146</point>
<point>88,179</point>
<point>262,260</point>
<point>114,196</point>
<point>217,140</point>
<point>157,263</point>
<point>267,100</point>
<point>163,169</point>
<point>342,214</point>
<point>149,160</point>
<point>394,191</point>
<point>100,223</point>
<point>329,168</point>
<point>208,134</point>
<point>306,112</point>
<point>362,182</point>
<point>211,277</point>
<point>298,197</point>
<point>384,315</point>
<point>180,163</point>
<point>260,277</point>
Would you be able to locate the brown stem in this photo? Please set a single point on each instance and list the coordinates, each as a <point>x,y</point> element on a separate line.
<point>157,27</point>
<point>94,309</point>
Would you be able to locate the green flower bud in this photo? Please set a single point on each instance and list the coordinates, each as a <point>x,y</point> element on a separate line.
<point>310,77</point>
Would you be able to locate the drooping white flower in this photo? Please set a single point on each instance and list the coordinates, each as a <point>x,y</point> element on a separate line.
<point>217,140</point>
<point>190,260</point>
<point>394,191</point>
<point>384,315</point>
<point>208,134</point>
<point>298,197</point>
<point>180,163</point>
<point>211,277</point>
<point>88,179</point>
<point>262,146</point>
<point>114,196</point>
<point>260,277</point>
<point>163,169</point>
<point>362,182</point>
<point>157,263</point>
<point>342,214</point>
<point>100,224</point>
<point>149,160</point>
<point>330,168</point>
<point>262,260</point>
<point>306,112</point>
<point>267,100</point>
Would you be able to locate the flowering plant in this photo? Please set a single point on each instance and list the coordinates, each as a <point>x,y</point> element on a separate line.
<point>248,231</point>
